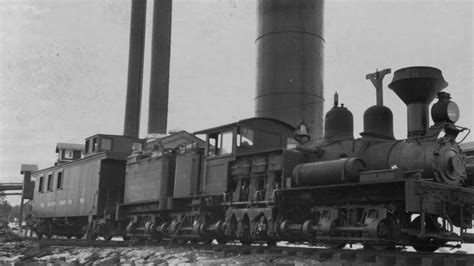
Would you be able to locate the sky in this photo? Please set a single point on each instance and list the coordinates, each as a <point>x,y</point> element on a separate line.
<point>63,65</point>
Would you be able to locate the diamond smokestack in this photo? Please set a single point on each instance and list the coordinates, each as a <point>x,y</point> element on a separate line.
<point>417,87</point>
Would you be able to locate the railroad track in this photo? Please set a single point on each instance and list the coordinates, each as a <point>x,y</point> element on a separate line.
<point>317,255</point>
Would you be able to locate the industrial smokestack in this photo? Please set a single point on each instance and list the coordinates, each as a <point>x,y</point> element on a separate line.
<point>290,62</point>
<point>417,87</point>
<point>160,67</point>
<point>131,126</point>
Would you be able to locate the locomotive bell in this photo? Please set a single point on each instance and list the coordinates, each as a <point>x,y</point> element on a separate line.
<point>417,87</point>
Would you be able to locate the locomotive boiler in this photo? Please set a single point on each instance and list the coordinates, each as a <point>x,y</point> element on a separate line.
<point>405,188</point>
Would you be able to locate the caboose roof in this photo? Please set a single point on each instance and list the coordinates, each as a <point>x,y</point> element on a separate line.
<point>69,146</point>
<point>99,156</point>
<point>28,168</point>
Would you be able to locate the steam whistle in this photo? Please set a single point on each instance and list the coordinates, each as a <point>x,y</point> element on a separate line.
<point>377,80</point>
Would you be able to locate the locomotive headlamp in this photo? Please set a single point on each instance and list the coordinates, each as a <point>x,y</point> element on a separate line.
<point>452,111</point>
<point>445,110</point>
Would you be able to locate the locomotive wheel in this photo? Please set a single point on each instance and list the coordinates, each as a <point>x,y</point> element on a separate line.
<point>425,248</point>
<point>222,240</point>
<point>105,231</point>
<point>380,247</point>
<point>48,230</point>
<point>271,242</point>
<point>334,245</point>
<point>40,230</point>
<point>107,236</point>
<point>246,242</point>
<point>388,229</point>
<point>180,241</point>
<point>431,225</point>
<point>245,237</point>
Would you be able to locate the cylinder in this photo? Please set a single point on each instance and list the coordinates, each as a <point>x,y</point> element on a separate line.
<point>160,67</point>
<point>290,47</point>
<point>344,170</point>
<point>131,126</point>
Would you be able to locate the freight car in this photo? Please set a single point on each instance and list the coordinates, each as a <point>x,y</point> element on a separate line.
<point>261,180</point>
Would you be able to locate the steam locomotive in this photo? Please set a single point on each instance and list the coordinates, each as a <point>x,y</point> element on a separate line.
<point>260,180</point>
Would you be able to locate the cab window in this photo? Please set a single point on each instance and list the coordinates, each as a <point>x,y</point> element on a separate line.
<point>245,138</point>
<point>220,143</point>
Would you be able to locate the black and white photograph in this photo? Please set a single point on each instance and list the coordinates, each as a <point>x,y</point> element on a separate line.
<point>224,132</point>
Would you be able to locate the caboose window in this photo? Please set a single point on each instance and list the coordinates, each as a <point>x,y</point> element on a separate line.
<point>68,154</point>
<point>94,144</point>
<point>50,182</point>
<point>40,185</point>
<point>59,183</point>
<point>87,146</point>
<point>106,144</point>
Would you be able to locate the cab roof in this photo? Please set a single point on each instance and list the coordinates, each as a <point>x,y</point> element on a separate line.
<point>244,122</point>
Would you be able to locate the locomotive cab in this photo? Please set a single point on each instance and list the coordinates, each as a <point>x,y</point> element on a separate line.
<point>226,143</point>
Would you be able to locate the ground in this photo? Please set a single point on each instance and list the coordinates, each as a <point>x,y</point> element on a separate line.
<point>15,251</point>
